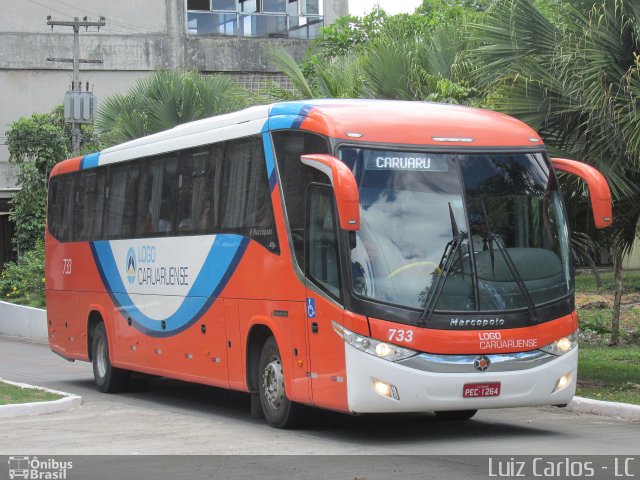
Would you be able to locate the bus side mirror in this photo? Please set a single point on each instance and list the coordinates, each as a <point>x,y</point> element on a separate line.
<point>344,186</point>
<point>598,188</point>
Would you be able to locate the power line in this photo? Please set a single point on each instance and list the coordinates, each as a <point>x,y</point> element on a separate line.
<point>129,26</point>
<point>49,8</point>
<point>126,26</point>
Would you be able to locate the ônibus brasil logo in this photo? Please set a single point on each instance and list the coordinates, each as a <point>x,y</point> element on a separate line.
<point>32,468</point>
<point>131,265</point>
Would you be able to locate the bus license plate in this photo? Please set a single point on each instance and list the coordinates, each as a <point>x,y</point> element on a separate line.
<point>474,390</point>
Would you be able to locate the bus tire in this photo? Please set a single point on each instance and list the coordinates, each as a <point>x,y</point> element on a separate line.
<point>455,415</point>
<point>108,378</point>
<point>279,411</point>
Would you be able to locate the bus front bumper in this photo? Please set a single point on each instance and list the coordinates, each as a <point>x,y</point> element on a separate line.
<point>416,390</point>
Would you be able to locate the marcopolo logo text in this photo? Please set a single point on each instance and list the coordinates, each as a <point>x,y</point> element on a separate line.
<point>476,322</point>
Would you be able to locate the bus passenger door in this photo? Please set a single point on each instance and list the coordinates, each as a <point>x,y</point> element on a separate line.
<point>323,298</point>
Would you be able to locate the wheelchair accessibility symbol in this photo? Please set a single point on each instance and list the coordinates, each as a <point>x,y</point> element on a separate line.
<point>311,307</point>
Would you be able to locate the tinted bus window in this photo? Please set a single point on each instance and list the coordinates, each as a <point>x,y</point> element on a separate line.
<point>296,177</point>
<point>65,204</point>
<point>247,201</point>
<point>54,207</point>
<point>121,201</point>
<point>157,196</point>
<point>322,255</point>
<point>198,192</point>
<point>88,204</point>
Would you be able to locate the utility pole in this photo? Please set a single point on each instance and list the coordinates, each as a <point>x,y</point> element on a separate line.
<point>79,106</point>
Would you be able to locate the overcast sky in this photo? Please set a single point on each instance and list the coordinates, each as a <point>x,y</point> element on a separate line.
<point>360,7</point>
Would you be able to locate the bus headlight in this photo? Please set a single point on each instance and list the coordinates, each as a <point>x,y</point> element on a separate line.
<point>373,347</point>
<point>563,345</point>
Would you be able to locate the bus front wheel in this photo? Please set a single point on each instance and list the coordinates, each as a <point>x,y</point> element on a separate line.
<point>279,411</point>
<point>108,378</point>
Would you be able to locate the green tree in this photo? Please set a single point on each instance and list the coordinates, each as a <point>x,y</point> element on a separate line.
<point>393,65</point>
<point>163,100</point>
<point>35,144</point>
<point>450,11</point>
<point>575,77</point>
<point>23,281</point>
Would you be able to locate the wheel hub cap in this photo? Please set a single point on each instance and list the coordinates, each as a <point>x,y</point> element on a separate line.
<point>101,357</point>
<point>273,383</point>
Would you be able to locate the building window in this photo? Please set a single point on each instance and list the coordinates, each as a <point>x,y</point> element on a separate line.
<point>255,18</point>
<point>204,5</point>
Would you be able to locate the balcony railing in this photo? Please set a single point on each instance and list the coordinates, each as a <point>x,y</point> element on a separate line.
<point>236,24</point>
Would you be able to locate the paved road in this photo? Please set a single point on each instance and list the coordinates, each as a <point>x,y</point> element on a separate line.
<point>170,417</point>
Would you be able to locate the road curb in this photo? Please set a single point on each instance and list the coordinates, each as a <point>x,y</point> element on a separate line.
<point>68,402</point>
<point>607,409</point>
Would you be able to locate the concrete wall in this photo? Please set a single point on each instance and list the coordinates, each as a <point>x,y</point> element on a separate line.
<point>140,36</point>
<point>334,9</point>
<point>632,262</point>
<point>23,322</point>
<point>29,91</point>
<point>123,16</point>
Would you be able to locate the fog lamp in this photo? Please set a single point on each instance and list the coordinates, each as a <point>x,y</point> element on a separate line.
<point>384,389</point>
<point>562,382</point>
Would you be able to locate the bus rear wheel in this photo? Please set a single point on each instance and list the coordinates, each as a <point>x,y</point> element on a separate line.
<point>279,411</point>
<point>455,415</point>
<point>108,378</point>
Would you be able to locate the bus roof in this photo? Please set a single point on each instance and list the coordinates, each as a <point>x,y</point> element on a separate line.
<point>379,121</point>
<point>415,123</point>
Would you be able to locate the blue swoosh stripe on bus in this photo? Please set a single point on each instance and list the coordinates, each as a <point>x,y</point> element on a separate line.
<point>271,164</point>
<point>218,267</point>
<point>281,122</point>
<point>90,161</point>
<point>288,115</point>
<point>302,115</point>
<point>283,116</point>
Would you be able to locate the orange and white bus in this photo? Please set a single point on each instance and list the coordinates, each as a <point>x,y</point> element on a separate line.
<point>358,256</point>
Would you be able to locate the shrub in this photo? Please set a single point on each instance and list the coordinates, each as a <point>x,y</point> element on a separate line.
<point>23,281</point>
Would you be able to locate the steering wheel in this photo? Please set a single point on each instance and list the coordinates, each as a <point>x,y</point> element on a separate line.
<point>409,266</point>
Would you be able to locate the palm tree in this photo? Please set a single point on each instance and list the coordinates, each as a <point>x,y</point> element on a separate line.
<point>339,77</point>
<point>163,100</point>
<point>394,65</point>
<point>577,81</point>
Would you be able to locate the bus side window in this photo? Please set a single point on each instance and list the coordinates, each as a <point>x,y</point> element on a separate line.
<point>157,197</point>
<point>237,174</point>
<point>322,241</point>
<point>88,203</point>
<point>296,177</point>
<point>246,206</point>
<point>120,201</point>
<point>65,230</point>
<point>198,189</point>
<point>54,206</point>
<point>95,228</point>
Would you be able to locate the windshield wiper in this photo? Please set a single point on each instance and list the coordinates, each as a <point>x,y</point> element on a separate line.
<point>444,267</point>
<point>491,238</point>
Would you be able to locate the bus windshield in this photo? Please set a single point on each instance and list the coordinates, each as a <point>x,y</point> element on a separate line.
<point>502,212</point>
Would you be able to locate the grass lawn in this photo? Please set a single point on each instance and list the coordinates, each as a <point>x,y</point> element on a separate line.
<point>11,394</point>
<point>609,373</point>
